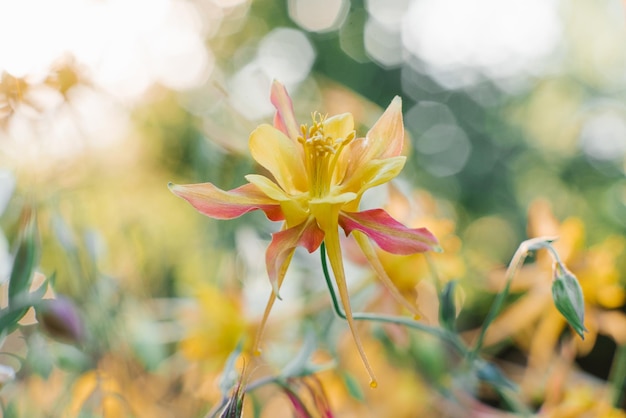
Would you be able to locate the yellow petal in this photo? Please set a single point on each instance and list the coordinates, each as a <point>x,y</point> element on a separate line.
<point>339,126</point>
<point>336,262</point>
<point>268,187</point>
<point>372,174</point>
<point>384,140</point>
<point>386,137</point>
<point>371,256</point>
<point>280,156</point>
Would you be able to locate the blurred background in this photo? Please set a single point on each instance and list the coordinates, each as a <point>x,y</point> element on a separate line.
<point>103,102</point>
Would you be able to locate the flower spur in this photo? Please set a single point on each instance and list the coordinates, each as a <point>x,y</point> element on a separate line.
<point>320,172</point>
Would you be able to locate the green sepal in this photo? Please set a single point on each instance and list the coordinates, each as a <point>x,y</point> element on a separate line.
<point>447,306</point>
<point>568,299</point>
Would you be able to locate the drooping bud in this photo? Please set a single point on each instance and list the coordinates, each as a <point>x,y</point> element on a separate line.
<point>60,319</point>
<point>568,298</point>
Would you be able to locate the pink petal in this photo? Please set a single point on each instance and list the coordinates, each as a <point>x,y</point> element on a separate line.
<point>279,252</point>
<point>220,204</point>
<point>284,119</point>
<point>389,234</point>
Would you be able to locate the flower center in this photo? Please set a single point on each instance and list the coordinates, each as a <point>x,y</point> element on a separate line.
<point>321,153</point>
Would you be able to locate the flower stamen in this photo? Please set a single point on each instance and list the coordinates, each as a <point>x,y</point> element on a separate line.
<point>321,153</point>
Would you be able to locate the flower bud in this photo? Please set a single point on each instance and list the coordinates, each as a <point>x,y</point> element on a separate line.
<point>568,298</point>
<point>60,319</point>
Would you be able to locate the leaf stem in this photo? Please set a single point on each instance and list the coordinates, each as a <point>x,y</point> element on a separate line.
<point>617,377</point>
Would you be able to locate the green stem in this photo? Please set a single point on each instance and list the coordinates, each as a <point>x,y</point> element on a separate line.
<point>518,259</point>
<point>617,377</point>
<point>433,271</point>
<point>437,332</point>
<point>516,262</point>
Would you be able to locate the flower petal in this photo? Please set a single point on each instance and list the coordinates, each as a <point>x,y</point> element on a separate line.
<point>339,126</point>
<point>219,204</point>
<point>384,140</point>
<point>279,252</point>
<point>285,119</point>
<point>294,208</point>
<point>268,187</point>
<point>336,262</point>
<point>277,259</point>
<point>389,234</point>
<point>371,256</point>
<point>373,173</point>
<point>386,137</point>
<point>280,156</point>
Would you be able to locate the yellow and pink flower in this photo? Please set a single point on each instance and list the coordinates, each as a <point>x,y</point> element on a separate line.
<point>320,172</point>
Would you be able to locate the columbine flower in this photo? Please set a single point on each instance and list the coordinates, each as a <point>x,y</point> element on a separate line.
<point>320,172</point>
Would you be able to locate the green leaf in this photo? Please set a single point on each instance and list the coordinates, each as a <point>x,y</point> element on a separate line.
<point>298,365</point>
<point>489,373</point>
<point>25,261</point>
<point>353,386</point>
<point>10,316</point>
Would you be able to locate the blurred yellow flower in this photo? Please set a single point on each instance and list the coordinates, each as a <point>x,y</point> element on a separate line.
<point>533,321</point>
<point>216,329</point>
<point>582,401</point>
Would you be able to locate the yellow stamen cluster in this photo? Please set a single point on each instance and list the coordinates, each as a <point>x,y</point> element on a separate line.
<point>321,153</point>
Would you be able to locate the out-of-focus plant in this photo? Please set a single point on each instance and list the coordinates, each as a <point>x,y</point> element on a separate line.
<point>534,311</point>
<point>330,159</point>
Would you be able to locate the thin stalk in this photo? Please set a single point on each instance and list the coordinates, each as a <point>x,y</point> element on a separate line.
<point>434,273</point>
<point>437,332</point>
<point>518,259</point>
<point>516,262</point>
<point>617,377</point>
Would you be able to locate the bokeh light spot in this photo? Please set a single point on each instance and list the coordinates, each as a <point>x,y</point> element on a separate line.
<point>463,41</point>
<point>603,136</point>
<point>286,54</point>
<point>320,15</point>
<point>443,150</point>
